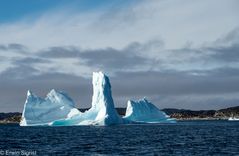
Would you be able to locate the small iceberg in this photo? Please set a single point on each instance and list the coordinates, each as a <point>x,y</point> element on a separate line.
<point>145,111</point>
<point>39,111</point>
<point>233,119</point>
<point>58,109</point>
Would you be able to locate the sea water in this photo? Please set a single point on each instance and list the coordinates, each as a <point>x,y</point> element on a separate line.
<point>182,138</point>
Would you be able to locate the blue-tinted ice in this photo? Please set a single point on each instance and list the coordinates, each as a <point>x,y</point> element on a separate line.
<point>58,109</point>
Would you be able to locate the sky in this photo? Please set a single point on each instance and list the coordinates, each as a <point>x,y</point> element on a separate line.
<point>177,54</point>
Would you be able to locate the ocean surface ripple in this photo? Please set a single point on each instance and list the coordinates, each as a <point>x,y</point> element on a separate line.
<point>183,138</point>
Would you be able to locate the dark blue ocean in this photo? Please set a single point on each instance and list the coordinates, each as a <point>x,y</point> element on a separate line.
<point>183,138</point>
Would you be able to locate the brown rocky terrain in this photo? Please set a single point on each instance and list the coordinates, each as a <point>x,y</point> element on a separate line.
<point>179,114</point>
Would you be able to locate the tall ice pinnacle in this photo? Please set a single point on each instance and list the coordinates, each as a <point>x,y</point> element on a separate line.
<point>102,101</point>
<point>101,91</point>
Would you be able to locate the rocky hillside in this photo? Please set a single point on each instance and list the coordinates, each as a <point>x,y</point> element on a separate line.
<point>180,114</point>
<point>203,114</point>
<point>13,117</point>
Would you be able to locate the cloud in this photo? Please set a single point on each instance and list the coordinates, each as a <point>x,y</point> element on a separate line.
<point>13,90</point>
<point>19,72</point>
<point>30,61</point>
<point>218,81</point>
<point>60,52</point>
<point>13,47</point>
<point>109,58</point>
<point>23,67</point>
<point>179,54</point>
<point>211,89</point>
<point>165,88</point>
<point>149,56</point>
<point>229,38</point>
<point>226,53</point>
<point>138,22</point>
<point>200,102</point>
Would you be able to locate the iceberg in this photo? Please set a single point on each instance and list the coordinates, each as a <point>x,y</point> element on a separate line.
<point>144,111</point>
<point>102,111</point>
<point>58,109</point>
<point>39,111</point>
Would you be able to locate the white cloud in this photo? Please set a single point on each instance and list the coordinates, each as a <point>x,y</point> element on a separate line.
<point>177,23</point>
<point>175,35</point>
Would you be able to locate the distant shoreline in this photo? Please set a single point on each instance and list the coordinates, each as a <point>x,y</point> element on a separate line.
<point>178,114</point>
<point>198,119</point>
<point>189,119</point>
<point>202,119</point>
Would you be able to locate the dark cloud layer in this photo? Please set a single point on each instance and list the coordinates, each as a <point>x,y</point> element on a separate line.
<point>13,47</point>
<point>23,68</point>
<point>30,61</point>
<point>111,58</point>
<point>178,83</point>
<point>226,53</point>
<point>108,58</point>
<point>13,91</point>
<point>60,52</point>
<point>19,72</point>
<point>157,86</point>
<point>197,89</point>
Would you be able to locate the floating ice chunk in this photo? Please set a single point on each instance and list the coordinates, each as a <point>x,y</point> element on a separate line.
<point>145,111</point>
<point>39,111</point>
